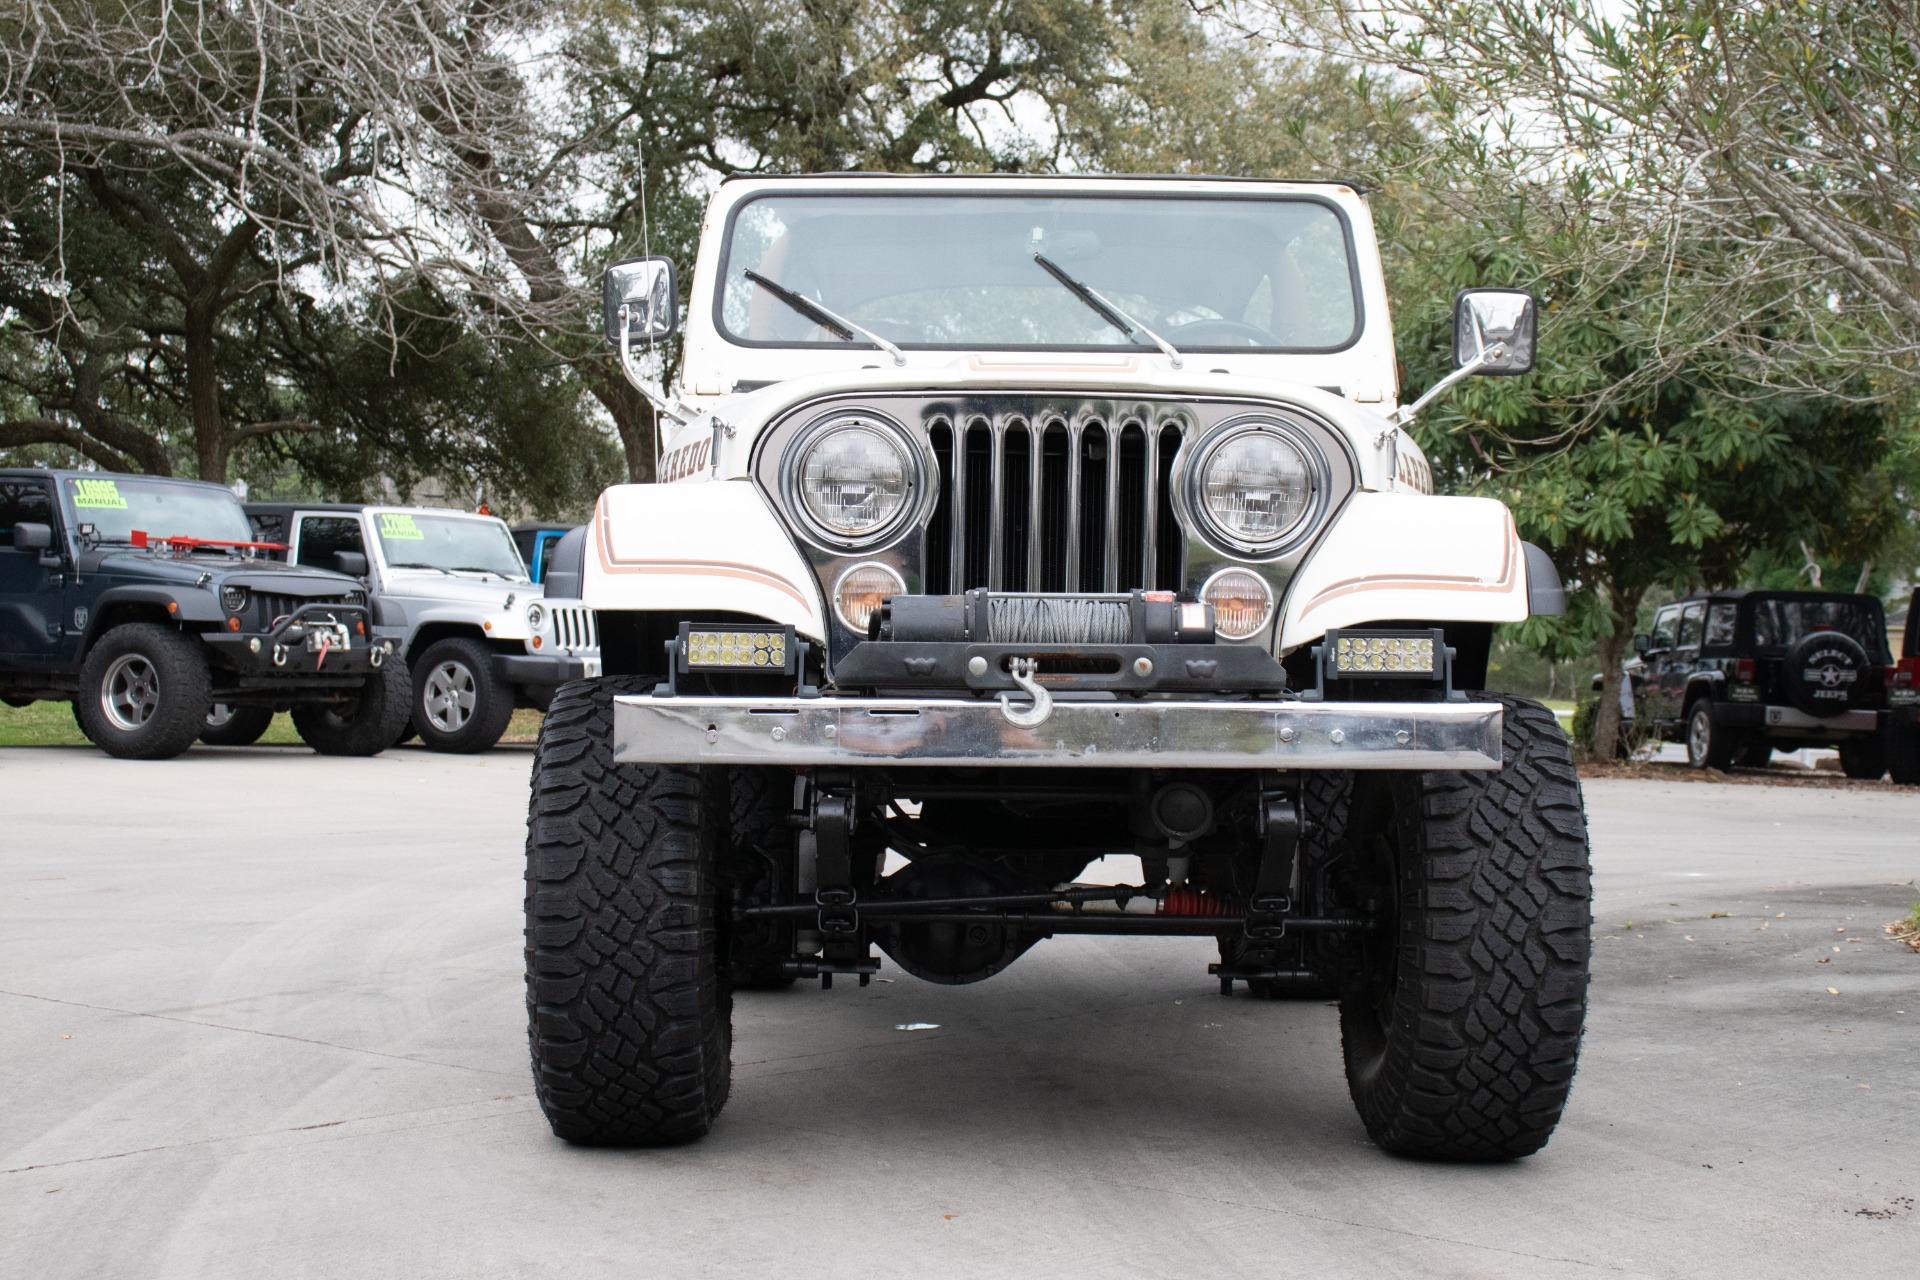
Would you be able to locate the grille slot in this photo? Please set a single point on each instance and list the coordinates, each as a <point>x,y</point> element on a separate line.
<point>573,628</point>
<point>275,607</point>
<point>1045,502</point>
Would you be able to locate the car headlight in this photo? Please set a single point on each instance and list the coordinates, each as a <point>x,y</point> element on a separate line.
<point>854,479</point>
<point>233,599</point>
<point>1255,487</point>
<point>536,617</point>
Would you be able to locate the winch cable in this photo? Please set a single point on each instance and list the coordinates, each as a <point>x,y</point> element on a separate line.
<point>1058,620</point>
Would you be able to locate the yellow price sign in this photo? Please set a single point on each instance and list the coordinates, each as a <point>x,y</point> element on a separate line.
<point>97,493</point>
<point>398,524</point>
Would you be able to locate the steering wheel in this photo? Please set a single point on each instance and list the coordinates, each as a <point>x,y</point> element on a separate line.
<point>1230,333</point>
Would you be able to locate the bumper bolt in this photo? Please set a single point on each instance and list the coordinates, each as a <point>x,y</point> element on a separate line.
<point>1143,667</point>
<point>779,734</point>
<point>1338,736</point>
<point>253,645</point>
<point>1286,734</point>
<point>976,666</point>
<point>1403,737</point>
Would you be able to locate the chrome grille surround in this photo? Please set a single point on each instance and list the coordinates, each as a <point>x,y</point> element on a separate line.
<point>980,533</point>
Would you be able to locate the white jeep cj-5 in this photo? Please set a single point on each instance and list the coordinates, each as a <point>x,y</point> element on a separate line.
<point>1006,523</point>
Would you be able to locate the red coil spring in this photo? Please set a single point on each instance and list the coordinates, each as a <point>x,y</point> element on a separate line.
<point>1189,901</point>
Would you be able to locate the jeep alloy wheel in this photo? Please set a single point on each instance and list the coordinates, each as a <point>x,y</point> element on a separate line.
<point>144,691</point>
<point>459,704</point>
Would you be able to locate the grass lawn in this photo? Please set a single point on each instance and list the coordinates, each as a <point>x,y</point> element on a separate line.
<point>50,724</point>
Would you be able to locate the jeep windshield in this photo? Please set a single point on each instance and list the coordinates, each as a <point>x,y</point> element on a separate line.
<point>1779,621</point>
<point>939,271</point>
<point>117,506</point>
<point>449,544</point>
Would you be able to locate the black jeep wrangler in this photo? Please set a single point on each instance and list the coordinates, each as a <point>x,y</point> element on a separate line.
<point>141,600</point>
<point>1736,674</point>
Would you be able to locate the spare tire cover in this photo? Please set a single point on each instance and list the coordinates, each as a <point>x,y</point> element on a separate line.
<point>1824,673</point>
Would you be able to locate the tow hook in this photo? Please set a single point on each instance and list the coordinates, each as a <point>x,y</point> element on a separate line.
<point>1023,671</point>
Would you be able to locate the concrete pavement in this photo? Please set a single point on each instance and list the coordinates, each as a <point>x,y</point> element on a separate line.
<point>261,1017</point>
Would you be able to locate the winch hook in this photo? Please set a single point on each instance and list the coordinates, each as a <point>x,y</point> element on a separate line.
<point>1023,671</point>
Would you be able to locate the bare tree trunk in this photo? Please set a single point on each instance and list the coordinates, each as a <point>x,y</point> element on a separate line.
<point>633,417</point>
<point>203,397</point>
<point>1812,565</point>
<point>1866,572</point>
<point>1613,652</point>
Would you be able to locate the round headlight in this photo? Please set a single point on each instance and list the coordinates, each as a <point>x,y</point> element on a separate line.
<point>857,596</point>
<point>536,617</point>
<point>1242,601</point>
<point>1255,487</point>
<point>854,480</point>
<point>233,599</point>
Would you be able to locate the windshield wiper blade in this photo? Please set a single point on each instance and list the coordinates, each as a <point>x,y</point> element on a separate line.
<point>415,564</point>
<point>830,320</point>
<point>1107,311</point>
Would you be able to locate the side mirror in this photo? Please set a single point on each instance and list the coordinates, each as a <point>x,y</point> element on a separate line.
<point>1641,644</point>
<point>351,563</point>
<point>28,536</point>
<point>644,289</point>
<point>1496,329</point>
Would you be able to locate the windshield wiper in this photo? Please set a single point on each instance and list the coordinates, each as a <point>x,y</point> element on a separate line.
<point>826,319</point>
<point>415,564</point>
<point>1107,311</point>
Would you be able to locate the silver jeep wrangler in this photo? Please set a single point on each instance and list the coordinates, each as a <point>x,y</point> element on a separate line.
<point>1002,524</point>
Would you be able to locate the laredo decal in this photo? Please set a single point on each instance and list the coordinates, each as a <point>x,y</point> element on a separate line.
<point>687,460</point>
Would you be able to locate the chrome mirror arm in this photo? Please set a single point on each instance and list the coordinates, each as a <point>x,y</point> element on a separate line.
<point>664,404</point>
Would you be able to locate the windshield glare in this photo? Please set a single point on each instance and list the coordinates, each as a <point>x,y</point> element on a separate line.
<point>458,544</point>
<point>118,505</point>
<point>1270,274</point>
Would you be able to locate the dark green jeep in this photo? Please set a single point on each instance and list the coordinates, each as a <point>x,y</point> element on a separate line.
<point>142,600</point>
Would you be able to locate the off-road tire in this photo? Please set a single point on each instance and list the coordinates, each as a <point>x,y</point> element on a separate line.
<point>1864,758</point>
<point>759,860</point>
<point>1709,745</point>
<point>181,691</point>
<point>1462,1035</point>
<point>366,725</point>
<point>1754,752</point>
<point>629,1006</point>
<point>1903,753</point>
<point>243,727</point>
<point>486,722</point>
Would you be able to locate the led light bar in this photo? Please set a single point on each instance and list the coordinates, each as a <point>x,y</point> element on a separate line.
<point>1369,655</point>
<point>704,648</point>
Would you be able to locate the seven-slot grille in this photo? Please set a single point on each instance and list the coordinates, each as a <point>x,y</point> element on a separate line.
<point>1053,502</point>
<point>573,628</point>
<point>275,607</point>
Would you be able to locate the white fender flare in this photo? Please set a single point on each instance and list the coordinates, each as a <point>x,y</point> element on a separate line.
<point>1409,557</point>
<point>683,548</point>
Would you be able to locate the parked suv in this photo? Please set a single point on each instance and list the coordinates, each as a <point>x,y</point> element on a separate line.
<point>1010,522</point>
<point>1736,675</point>
<point>146,602</point>
<point>479,636</point>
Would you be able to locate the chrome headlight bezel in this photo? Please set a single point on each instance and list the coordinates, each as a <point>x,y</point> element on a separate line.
<point>536,617</point>
<point>914,454</point>
<point>1319,478</point>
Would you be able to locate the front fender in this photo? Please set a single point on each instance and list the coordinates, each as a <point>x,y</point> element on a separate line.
<point>683,548</point>
<point>1405,557</point>
<point>181,603</point>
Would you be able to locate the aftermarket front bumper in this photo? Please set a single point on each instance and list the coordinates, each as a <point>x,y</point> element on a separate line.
<point>1103,733</point>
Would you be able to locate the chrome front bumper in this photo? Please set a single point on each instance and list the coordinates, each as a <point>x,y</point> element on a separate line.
<point>1107,734</point>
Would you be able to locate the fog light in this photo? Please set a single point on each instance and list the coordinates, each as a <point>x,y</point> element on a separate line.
<point>730,650</point>
<point>1242,602</point>
<point>253,645</point>
<point>857,596</point>
<point>1368,653</point>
